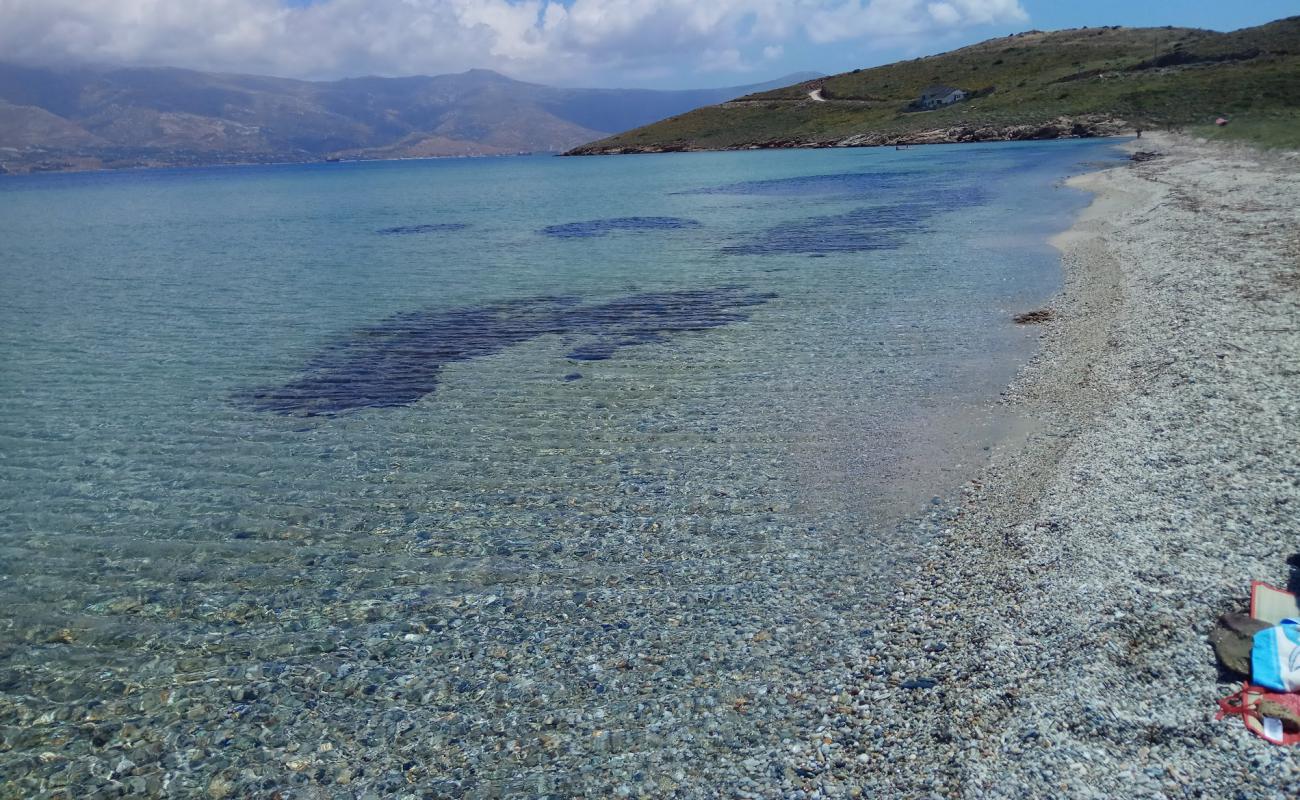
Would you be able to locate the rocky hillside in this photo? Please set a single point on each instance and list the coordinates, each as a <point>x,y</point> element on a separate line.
<point>78,118</point>
<point>1033,85</point>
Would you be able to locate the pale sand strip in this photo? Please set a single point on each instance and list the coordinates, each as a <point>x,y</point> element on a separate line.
<point>1073,595</point>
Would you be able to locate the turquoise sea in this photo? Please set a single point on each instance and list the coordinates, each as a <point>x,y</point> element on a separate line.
<point>473,470</point>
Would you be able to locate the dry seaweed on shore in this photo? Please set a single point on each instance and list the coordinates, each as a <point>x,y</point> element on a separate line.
<point>1036,317</point>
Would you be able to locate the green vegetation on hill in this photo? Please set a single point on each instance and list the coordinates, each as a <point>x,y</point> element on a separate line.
<point>1279,130</point>
<point>1098,78</point>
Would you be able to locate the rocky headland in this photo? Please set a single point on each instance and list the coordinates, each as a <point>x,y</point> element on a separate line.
<point>1060,128</point>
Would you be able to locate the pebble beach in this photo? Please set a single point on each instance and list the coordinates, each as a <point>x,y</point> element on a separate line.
<point>1042,633</point>
<point>1070,598</point>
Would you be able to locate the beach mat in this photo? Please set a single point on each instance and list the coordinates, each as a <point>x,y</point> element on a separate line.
<point>1271,604</point>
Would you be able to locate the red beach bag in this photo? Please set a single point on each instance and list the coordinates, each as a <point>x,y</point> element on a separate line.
<point>1245,704</point>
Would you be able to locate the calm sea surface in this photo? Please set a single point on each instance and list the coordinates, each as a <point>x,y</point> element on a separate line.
<point>474,470</point>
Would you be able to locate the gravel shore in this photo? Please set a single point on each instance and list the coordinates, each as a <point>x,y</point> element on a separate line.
<point>1048,641</point>
<point>1073,593</point>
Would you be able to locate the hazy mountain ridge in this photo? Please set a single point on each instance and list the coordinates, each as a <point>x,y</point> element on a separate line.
<point>1033,85</point>
<point>90,117</point>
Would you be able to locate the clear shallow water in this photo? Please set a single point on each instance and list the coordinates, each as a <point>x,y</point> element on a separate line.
<point>287,449</point>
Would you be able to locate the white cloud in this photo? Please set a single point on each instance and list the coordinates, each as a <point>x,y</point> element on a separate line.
<point>726,60</point>
<point>587,41</point>
<point>906,19</point>
<point>944,13</point>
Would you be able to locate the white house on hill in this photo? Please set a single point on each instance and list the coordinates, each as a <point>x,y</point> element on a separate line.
<point>936,96</point>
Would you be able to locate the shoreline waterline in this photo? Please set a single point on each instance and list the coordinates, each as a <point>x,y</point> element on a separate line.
<point>620,551</point>
<point>1074,589</point>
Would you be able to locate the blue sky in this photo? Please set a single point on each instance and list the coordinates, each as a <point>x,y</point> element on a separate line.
<point>1221,15</point>
<point>648,43</point>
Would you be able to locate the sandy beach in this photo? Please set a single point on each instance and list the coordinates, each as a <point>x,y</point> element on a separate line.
<point>1062,614</point>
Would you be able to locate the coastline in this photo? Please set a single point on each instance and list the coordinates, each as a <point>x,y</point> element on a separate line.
<point>1092,126</point>
<point>72,169</point>
<point>1062,613</point>
<point>1044,639</point>
<point>1063,128</point>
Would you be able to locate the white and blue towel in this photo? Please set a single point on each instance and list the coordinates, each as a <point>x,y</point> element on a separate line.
<point>1275,657</point>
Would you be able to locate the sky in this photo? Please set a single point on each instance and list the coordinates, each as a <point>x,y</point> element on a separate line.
<point>625,43</point>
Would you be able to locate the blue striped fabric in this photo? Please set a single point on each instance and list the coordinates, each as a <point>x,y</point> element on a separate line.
<point>1275,657</point>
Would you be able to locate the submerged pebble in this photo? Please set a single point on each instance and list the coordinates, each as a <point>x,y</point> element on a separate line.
<point>665,583</point>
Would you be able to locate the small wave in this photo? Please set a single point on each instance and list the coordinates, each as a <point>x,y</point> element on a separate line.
<point>600,227</point>
<point>410,230</point>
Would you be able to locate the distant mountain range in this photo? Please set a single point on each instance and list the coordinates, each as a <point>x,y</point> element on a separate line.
<point>1033,85</point>
<point>90,118</point>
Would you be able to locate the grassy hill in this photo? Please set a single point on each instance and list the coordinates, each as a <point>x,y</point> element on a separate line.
<point>1087,81</point>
